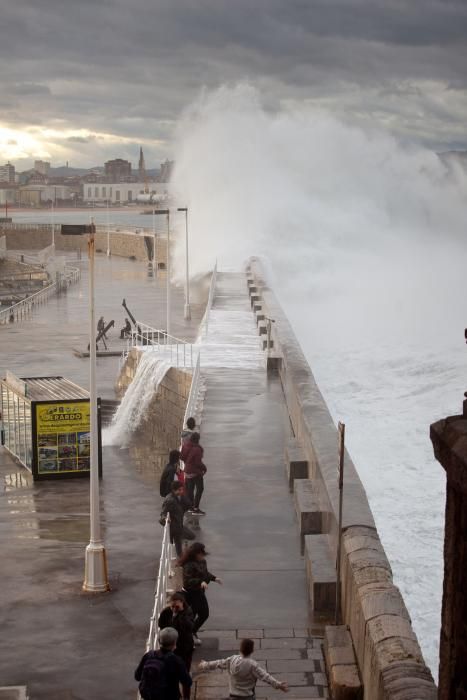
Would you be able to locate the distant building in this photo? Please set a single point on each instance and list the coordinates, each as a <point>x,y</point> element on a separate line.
<point>166,171</point>
<point>7,173</point>
<point>117,170</point>
<point>8,194</point>
<point>42,167</point>
<point>118,192</point>
<point>38,195</point>
<point>141,166</point>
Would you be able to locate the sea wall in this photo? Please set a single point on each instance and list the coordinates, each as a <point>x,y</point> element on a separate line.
<point>126,245</point>
<point>389,658</point>
<point>161,428</point>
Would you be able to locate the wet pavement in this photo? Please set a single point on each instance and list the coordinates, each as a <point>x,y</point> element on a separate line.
<point>65,644</point>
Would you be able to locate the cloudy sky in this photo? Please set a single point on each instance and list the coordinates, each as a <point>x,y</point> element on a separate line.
<point>84,80</point>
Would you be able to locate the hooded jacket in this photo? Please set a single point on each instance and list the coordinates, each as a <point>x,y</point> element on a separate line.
<point>243,672</point>
<point>183,623</point>
<point>194,573</point>
<point>192,456</point>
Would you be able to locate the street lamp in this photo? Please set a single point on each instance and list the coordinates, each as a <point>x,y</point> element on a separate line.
<point>53,229</point>
<point>166,212</point>
<point>108,231</point>
<point>95,572</point>
<point>187,272</point>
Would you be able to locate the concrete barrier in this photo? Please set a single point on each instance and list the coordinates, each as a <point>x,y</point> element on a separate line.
<point>309,517</point>
<point>389,659</point>
<point>341,664</point>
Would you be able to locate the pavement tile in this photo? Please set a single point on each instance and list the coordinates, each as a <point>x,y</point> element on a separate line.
<point>263,654</point>
<point>301,632</point>
<point>206,693</point>
<point>278,632</point>
<point>219,634</point>
<point>314,653</point>
<point>292,643</point>
<point>212,678</point>
<point>320,679</point>
<point>294,694</point>
<point>290,665</point>
<point>249,634</point>
<point>293,679</point>
<point>232,645</point>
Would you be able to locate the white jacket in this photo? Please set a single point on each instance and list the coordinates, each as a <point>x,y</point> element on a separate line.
<point>243,672</point>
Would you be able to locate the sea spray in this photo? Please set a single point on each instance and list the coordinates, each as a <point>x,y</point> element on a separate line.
<point>150,371</point>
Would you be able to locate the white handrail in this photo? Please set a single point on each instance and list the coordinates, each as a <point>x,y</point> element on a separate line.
<point>190,409</point>
<point>160,595</point>
<point>16,312</point>
<point>175,350</point>
<point>212,291</point>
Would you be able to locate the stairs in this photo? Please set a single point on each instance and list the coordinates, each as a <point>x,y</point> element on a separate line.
<point>108,409</point>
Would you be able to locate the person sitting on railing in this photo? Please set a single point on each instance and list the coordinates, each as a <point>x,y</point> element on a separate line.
<point>161,672</point>
<point>189,430</point>
<point>179,615</point>
<point>125,332</point>
<point>172,472</point>
<point>101,327</point>
<point>196,579</point>
<point>192,455</point>
<point>176,505</point>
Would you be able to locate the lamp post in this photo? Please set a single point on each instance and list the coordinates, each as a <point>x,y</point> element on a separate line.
<point>154,241</point>
<point>108,231</point>
<point>166,212</point>
<point>187,313</point>
<point>53,229</point>
<point>95,572</point>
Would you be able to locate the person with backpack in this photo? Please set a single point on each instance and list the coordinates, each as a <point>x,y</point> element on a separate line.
<point>244,672</point>
<point>179,615</point>
<point>161,672</point>
<point>172,472</point>
<point>196,579</point>
<point>176,505</point>
<point>192,455</point>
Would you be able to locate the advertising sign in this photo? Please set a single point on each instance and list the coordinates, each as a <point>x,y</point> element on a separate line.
<point>63,437</point>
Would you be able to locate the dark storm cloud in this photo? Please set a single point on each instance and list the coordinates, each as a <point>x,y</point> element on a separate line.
<point>128,68</point>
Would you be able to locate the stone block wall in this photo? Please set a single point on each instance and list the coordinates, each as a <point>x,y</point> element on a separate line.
<point>126,245</point>
<point>161,428</point>
<point>389,658</point>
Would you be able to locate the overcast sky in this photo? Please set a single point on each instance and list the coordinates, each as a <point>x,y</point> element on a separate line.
<point>84,80</point>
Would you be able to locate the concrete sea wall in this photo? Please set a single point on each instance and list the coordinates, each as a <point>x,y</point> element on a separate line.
<point>39,236</point>
<point>389,658</point>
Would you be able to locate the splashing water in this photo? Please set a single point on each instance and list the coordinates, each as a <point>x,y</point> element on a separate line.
<point>150,372</point>
<point>365,240</point>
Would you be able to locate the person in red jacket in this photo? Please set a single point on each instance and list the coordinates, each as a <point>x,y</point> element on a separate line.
<point>192,455</point>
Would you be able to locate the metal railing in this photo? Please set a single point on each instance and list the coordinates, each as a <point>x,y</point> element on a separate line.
<point>212,291</point>
<point>190,409</point>
<point>164,574</point>
<point>100,228</point>
<point>176,351</point>
<point>23,309</point>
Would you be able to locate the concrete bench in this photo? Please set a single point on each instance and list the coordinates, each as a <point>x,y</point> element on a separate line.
<point>254,299</point>
<point>309,516</point>
<point>262,328</point>
<point>265,344</point>
<point>321,574</point>
<point>273,362</point>
<point>256,308</point>
<point>296,463</point>
<point>341,664</point>
<point>260,316</point>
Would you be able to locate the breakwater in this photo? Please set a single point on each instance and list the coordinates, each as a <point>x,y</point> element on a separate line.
<point>123,243</point>
<point>389,658</point>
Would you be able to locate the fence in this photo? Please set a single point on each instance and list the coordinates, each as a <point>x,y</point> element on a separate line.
<point>164,574</point>
<point>178,352</point>
<point>100,228</point>
<point>17,312</point>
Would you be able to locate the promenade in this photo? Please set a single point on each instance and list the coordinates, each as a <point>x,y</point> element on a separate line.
<point>250,526</point>
<point>80,647</point>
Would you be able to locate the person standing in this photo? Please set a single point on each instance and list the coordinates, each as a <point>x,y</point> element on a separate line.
<point>172,472</point>
<point>176,505</point>
<point>179,615</point>
<point>189,430</point>
<point>192,455</point>
<point>101,327</point>
<point>244,672</point>
<point>161,672</point>
<point>196,579</point>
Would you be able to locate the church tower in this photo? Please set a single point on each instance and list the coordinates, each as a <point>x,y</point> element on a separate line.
<point>141,166</point>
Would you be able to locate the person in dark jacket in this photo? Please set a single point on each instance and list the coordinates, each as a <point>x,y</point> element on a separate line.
<point>196,579</point>
<point>192,455</point>
<point>176,506</point>
<point>173,670</point>
<point>179,615</point>
<point>171,473</point>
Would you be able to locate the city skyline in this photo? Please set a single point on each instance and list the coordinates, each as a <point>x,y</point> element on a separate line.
<point>83,81</point>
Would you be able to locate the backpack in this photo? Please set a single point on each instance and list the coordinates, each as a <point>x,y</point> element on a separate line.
<point>151,686</point>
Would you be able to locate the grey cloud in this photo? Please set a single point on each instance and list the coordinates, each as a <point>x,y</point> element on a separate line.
<point>129,68</point>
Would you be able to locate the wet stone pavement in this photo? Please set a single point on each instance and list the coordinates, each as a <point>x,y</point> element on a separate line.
<point>290,655</point>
